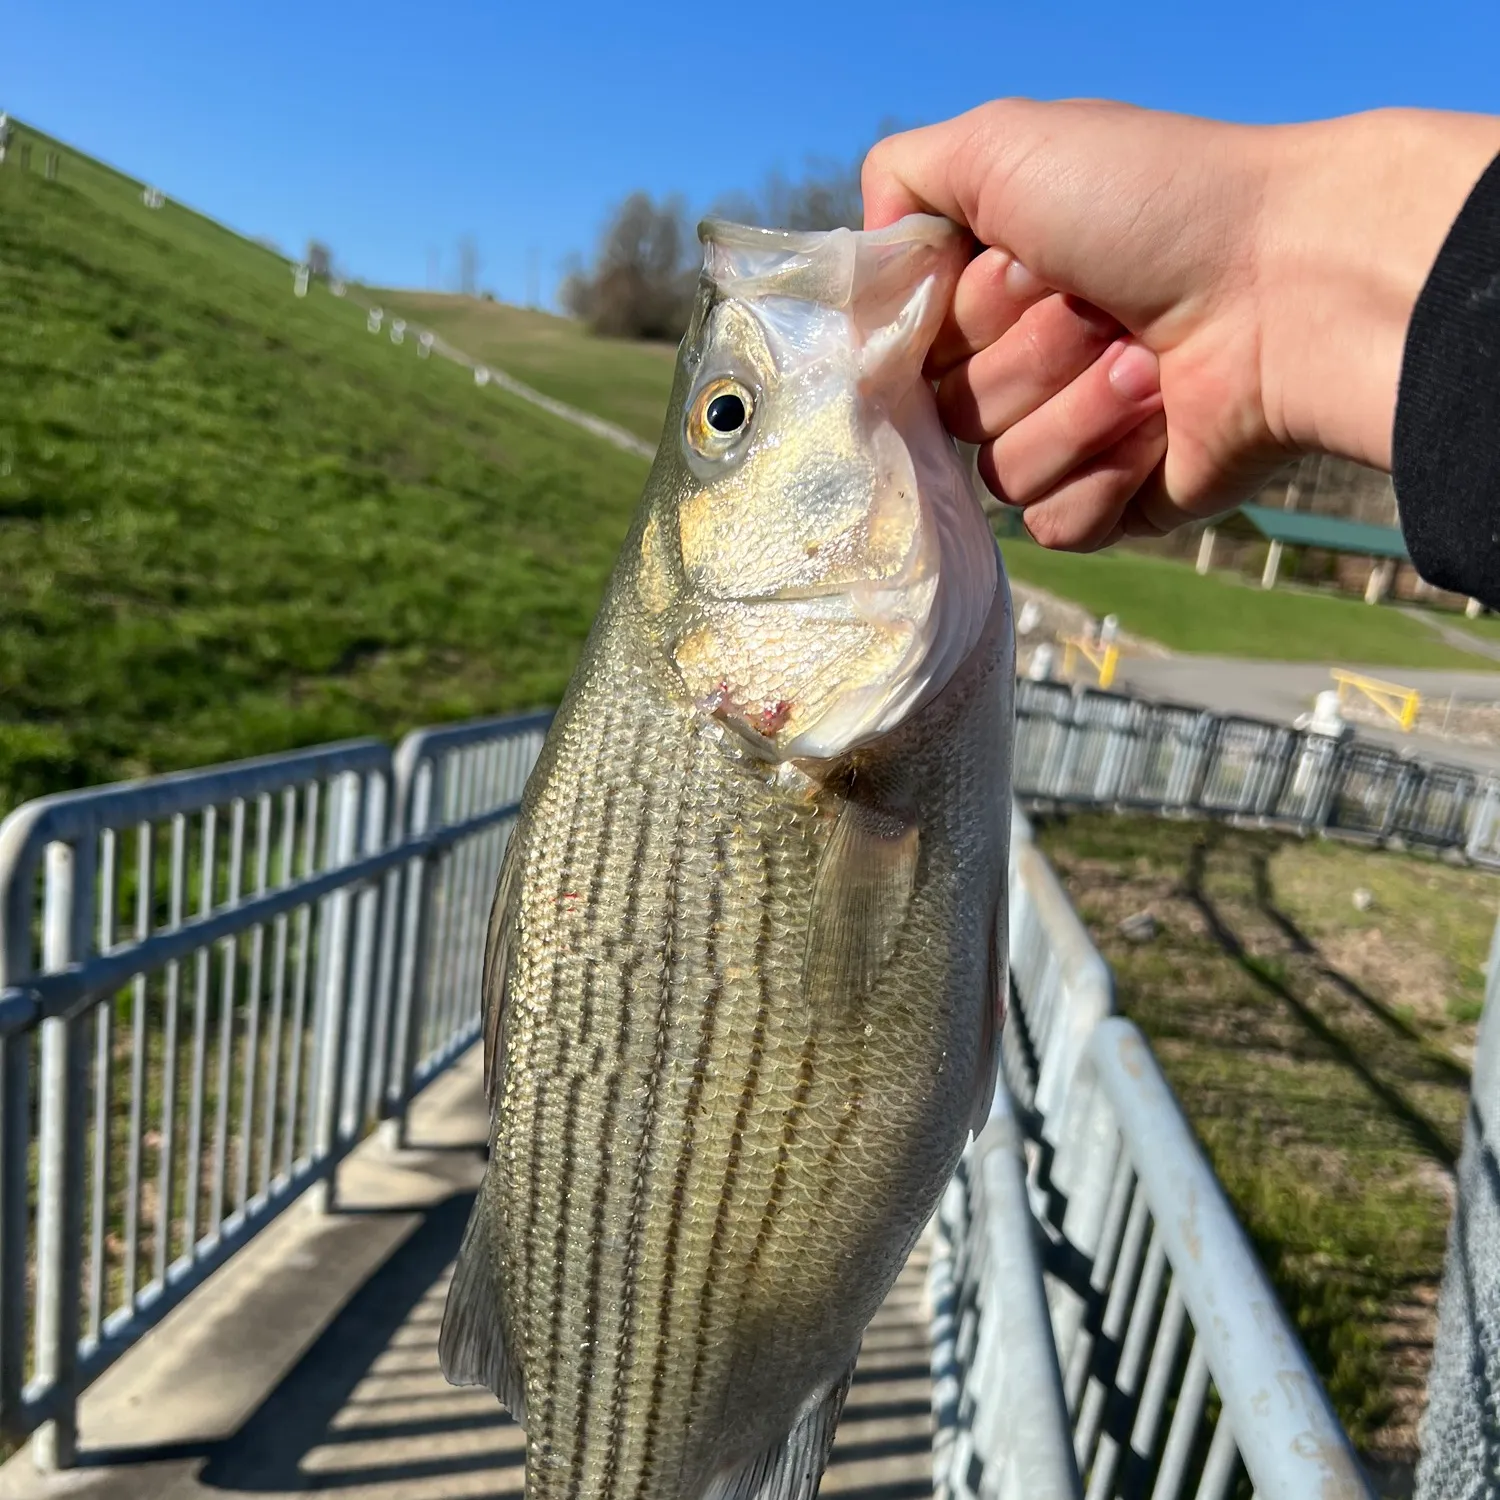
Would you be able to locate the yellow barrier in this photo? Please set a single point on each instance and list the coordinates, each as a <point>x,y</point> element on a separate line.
<point>1400,703</point>
<point>1102,659</point>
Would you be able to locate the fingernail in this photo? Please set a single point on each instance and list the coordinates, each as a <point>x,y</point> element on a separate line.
<point>1021,283</point>
<point>1134,373</point>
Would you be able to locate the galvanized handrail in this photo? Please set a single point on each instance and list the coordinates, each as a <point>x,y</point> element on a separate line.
<point>1061,987</point>
<point>1143,1258</point>
<point>1174,1299</point>
<point>463,782</point>
<point>364,919</point>
<point>1106,749</point>
<point>1000,1423</point>
<point>290,975</point>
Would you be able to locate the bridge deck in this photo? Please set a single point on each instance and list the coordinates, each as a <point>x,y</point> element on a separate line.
<point>309,1364</point>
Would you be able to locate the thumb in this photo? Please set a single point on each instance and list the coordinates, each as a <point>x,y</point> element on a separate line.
<point>930,170</point>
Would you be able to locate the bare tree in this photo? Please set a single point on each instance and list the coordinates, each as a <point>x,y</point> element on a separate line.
<point>468,266</point>
<point>319,260</point>
<point>826,195</point>
<point>641,282</point>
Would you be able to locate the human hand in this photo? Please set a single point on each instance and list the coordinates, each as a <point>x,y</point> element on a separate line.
<point>1169,308</point>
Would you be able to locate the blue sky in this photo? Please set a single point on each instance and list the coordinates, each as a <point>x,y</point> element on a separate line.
<point>391,130</point>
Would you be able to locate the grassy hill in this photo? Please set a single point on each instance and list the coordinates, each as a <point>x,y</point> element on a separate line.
<point>627,383</point>
<point>231,521</point>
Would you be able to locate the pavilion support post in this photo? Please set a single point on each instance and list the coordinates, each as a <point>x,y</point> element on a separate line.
<point>1382,574</point>
<point>1272,568</point>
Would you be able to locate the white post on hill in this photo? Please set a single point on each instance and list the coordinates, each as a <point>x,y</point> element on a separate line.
<point>424,344</point>
<point>300,277</point>
<point>373,321</point>
<point>398,331</point>
<point>336,287</point>
<point>481,375</point>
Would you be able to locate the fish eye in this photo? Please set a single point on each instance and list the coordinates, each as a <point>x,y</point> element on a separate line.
<point>719,417</point>
<point>726,413</point>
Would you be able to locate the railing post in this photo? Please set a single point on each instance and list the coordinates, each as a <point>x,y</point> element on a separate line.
<point>67,927</point>
<point>335,961</point>
<point>16,966</point>
<point>363,986</point>
<point>419,791</point>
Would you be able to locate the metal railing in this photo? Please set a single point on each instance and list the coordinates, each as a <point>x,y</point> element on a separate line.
<point>1160,1362</point>
<point>1180,1367</point>
<point>1110,750</point>
<point>302,938</point>
<point>206,1000</point>
<point>459,792</point>
<point>1000,1422</point>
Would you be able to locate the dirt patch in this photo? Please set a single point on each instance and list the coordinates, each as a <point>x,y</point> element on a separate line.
<point>1394,964</point>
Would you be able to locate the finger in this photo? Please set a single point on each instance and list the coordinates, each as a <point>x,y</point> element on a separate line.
<point>1050,345</point>
<point>1111,398</point>
<point>1085,511</point>
<point>1140,517</point>
<point>992,294</point>
<point>915,172</point>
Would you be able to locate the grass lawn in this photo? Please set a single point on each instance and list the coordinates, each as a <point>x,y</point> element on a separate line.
<point>1221,615</point>
<point>232,522</point>
<point>624,382</point>
<point>1322,1055</point>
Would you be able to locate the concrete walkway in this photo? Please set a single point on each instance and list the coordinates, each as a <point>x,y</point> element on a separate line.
<point>309,1365</point>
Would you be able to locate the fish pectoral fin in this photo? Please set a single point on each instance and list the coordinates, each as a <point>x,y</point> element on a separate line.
<point>496,971</point>
<point>471,1346</point>
<point>791,1467</point>
<point>860,897</point>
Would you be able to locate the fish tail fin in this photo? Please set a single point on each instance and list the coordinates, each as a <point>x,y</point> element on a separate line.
<point>791,1468</point>
<point>471,1345</point>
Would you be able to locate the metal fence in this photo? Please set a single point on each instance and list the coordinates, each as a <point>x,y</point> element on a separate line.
<point>1158,1361</point>
<point>206,1000</point>
<point>1112,750</point>
<point>215,984</point>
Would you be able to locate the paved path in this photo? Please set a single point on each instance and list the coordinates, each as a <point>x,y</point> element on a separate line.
<point>1460,640</point>
<point>308,1365</point>
<point>1282,690</point>
<point>610,432</point>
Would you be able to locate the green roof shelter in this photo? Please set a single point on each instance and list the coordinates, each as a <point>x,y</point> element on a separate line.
<point>1302,528</point>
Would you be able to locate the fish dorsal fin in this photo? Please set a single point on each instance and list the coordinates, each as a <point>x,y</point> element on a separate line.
<point>471,1346</point>
<point>860,898</point>
<point>496,971</point>
<point>791,1467</point>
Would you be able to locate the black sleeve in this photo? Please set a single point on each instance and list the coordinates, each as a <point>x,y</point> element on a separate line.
<point>1446,445</point>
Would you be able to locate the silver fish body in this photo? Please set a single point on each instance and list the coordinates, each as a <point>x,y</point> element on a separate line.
<point>742,1001</point>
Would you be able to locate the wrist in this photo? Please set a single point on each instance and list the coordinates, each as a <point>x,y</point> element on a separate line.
<point>1353,215</point>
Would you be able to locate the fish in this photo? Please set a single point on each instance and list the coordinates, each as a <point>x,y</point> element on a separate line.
<point>743,979</point>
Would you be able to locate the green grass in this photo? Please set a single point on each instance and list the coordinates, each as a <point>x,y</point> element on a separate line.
<point>1222,615</point>
<point>232,522</point>
<point>624,382</point>
<point>1321,1054</point>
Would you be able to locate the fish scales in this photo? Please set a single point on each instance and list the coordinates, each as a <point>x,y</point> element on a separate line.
<point>710,1155</point>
